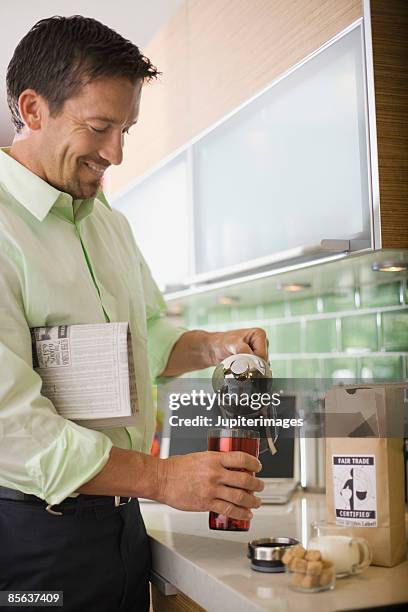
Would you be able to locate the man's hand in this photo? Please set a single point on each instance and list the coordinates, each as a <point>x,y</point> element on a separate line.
<point>208,481</point>
<point>252,340</point>
<point>198,349</point>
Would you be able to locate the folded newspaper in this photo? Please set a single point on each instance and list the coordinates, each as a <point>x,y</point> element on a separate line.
<point>88,372</point>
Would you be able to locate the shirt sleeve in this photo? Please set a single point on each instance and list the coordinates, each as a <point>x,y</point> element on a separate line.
<point>161,333</point>
<point>41,453</point>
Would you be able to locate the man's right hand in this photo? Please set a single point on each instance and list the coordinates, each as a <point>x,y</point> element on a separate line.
<point>210,481</point>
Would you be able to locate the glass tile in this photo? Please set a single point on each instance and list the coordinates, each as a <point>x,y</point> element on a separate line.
<point>320,336</point>
<point>302,306</point>
<point>341,368</point>
<point>279,367</point>
<point>395,330</point>
<point>306,368</point>
<point>382,368</point>
<point>274,310</point>
<point>387,294</point>
<point>285,338</point>
<point>339,301</point>
<point>359,334</point>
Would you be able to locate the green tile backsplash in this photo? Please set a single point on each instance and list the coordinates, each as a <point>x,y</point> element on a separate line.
<point>201,317</point>
<point>341,368</point>
<point>395,330</point>
<point>382,367</point>
<point>245,313</point>
<point>281,368</point>
<point>343,300</point>
<point>275,310</point>
<point>285,338</point>
<point>360,333</point>
<point>307,368</point>
<point>303,306</point>
<point>347,334</point>
<point>380,295</point>
<point>321,336</point>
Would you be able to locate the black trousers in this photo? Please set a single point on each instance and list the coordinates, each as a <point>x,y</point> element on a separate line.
<point>98,554</point>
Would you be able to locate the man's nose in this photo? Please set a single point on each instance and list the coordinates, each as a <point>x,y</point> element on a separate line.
<point>112,149</point>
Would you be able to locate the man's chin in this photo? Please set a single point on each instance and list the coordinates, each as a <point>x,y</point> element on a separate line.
<point>89,193</point>
<point>84,192</point>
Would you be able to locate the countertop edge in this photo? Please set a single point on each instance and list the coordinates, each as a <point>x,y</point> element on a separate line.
<point>195,582</point>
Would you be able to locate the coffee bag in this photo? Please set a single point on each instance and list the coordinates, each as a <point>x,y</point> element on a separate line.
<point>365,467</point>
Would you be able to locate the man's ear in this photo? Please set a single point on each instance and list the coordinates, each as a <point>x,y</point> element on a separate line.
<point>32,109</point>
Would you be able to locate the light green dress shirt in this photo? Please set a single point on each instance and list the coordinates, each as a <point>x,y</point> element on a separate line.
<point>67,262</point>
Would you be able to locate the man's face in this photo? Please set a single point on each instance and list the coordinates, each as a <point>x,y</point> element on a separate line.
<point>87,135</point>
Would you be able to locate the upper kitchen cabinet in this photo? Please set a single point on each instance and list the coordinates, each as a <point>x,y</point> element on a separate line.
<point>289,121</point>
<point>288,170</point>
<point>158,212</point>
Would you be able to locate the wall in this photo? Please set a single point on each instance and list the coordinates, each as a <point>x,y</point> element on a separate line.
<point>359,333</point>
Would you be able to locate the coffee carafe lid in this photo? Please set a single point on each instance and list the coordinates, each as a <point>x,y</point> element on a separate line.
<point>242,363</point>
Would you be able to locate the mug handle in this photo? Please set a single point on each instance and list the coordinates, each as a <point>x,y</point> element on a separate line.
<point>365,555</point>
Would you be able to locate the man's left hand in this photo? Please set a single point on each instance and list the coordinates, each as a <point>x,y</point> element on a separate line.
<point>224,344</point>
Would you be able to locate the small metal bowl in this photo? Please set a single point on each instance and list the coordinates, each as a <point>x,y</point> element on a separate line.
<point>266,554</point>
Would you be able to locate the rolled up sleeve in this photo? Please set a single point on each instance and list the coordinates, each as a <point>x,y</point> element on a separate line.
<point>162,336</point>
<point>41,453</point>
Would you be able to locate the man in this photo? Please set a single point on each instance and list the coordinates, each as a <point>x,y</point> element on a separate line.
<point>66,257</point>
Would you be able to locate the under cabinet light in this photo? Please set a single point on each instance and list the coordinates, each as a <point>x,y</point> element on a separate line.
<point>293,287</point>
<point>227,300</point>
<point>390,266</point>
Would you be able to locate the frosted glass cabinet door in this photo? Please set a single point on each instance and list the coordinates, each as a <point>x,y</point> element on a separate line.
<point>288,169</point>
<point>158,214</point>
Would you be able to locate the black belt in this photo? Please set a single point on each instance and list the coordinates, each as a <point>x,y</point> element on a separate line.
<point>69,505</point>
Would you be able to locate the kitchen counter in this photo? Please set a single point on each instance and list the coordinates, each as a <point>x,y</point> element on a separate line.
<point>211,567</point>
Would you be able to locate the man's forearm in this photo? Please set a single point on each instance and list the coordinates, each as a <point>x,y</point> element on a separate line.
<point>127,473</point>
<point>199,349</point>
<point>221,482</point>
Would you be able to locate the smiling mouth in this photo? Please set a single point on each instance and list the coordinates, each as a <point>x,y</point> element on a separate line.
<point>95,169</point>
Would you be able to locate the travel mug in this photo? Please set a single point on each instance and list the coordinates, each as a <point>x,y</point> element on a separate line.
<point>225,440</point>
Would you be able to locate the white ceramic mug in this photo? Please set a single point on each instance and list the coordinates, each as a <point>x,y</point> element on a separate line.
<point>349,555</point>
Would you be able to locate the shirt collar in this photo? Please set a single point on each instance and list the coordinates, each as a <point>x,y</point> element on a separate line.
<point>38,196</point>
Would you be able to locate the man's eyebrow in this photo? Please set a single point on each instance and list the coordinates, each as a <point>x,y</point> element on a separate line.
<point>107,119</point>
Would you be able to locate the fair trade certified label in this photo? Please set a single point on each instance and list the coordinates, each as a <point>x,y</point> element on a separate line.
<point>354,488</point>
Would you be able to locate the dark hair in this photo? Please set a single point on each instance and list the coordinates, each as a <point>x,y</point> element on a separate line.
<point>61,54</point>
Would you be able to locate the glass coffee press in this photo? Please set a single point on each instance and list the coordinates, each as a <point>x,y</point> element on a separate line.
<point>235,377</point>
